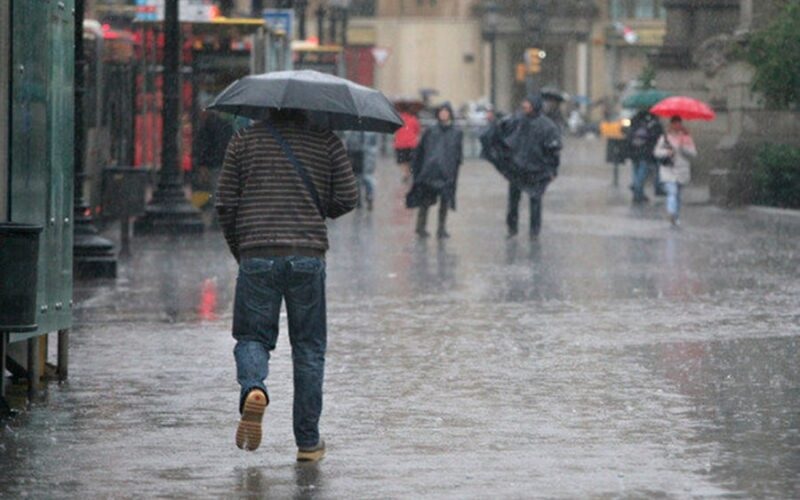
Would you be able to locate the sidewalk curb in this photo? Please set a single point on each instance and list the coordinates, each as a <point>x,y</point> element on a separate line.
<point>787,214</point>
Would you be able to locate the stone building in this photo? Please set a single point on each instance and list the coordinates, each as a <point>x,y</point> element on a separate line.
<point>422,45</point>
<point>471,49</point>
<point>594,49</point>
<point>402,46</point>
<point>698,59</point>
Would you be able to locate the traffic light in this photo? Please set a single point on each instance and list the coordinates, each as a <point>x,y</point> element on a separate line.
<point>533,57</point>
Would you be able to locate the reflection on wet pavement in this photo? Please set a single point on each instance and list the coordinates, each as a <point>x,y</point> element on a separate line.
<point>612,357</point>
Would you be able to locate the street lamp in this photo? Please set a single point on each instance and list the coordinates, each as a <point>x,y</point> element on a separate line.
<point>300,11</point>
<point>93,255</point>
<point>491,22</point>
<point>321,24</point>
<point>169,212</point>
<point>533,19</point>
<point>339,16</point>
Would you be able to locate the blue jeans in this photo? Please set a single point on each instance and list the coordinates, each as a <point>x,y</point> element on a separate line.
<point>368,182</point>
<point>673,198</point>
<point>641,169</point>
<point>260,287</point>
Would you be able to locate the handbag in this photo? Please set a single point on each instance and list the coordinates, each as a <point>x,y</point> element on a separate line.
<point>301,171</point>
<point>666,161</point>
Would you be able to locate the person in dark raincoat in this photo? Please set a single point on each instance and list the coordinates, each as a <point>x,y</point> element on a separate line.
<point>210,143</point>
<point>435,171</point>
<point>642,136</point>
<point>525,148</point>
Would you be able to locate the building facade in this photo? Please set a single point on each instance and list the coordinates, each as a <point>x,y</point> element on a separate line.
<point>699,59</point>
<point>421,45</point>
<point>471,50</point>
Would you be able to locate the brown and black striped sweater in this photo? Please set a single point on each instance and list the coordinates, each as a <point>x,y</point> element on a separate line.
<point>264,208</point>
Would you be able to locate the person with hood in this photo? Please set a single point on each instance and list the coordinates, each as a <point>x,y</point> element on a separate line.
<point>674,150</point>
<point>435,171</point>
<point>533,145</point>
<point>642,136</point>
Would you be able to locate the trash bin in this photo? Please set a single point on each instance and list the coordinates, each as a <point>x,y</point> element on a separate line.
<point>19,260</point>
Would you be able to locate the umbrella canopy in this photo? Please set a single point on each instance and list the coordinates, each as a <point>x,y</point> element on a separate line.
<point>330,102</point>
<point>685,107</point>
<point>554,94</point>
<point>645,99</point>
<point>408,104</point>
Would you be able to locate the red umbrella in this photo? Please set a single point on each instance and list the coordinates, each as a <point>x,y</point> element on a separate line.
<point>409,105</point>
<point>685,107</point>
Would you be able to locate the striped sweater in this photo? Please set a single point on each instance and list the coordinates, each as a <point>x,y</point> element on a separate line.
<point>263,205</point>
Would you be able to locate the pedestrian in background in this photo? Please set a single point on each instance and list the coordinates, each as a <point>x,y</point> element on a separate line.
<point>535,146</point>
<point>674,151</point>
<point>437,161</point>
<point>406,140</point>
<point>362,149</point>
<point>210,143</point>
<point>272,207</point>
<point>642,136</point>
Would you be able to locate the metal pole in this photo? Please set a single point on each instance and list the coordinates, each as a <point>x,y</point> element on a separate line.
<point>345,23</point>
<point>33,374</point>
<point>3,344</point>
<point>301,21</point>
<point>62,363</point>
<point>493,71</point>
<point>334,18</point>
<point>93,255</point>
<point>80,89</point>
<point>170,173</point>
<point>169,212</point>
<point>321,25</point>
<point>152,135</point>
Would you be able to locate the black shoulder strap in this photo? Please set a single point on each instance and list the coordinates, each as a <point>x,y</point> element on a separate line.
<point>301,171</point>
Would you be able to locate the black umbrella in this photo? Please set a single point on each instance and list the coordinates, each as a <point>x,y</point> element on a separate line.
<point>553,93</point>
<point>330,101</point>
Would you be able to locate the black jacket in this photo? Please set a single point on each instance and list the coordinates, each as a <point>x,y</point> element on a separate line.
<point>526,150</point>
<point>643,135</point>
<point>436,164</point>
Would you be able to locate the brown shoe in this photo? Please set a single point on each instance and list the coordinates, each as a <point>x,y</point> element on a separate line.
<point>314,454</point>
<point>248,434</point>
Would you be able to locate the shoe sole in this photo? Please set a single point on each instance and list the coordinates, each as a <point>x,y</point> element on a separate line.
<point>248,434</point>
<point>310,456</point>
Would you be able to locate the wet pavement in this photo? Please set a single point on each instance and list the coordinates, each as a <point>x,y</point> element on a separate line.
<point>614,357</point>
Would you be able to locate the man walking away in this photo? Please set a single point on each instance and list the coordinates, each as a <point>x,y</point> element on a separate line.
<point>279,181</point>
<point>535,143</point>
<point>437,161</point>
